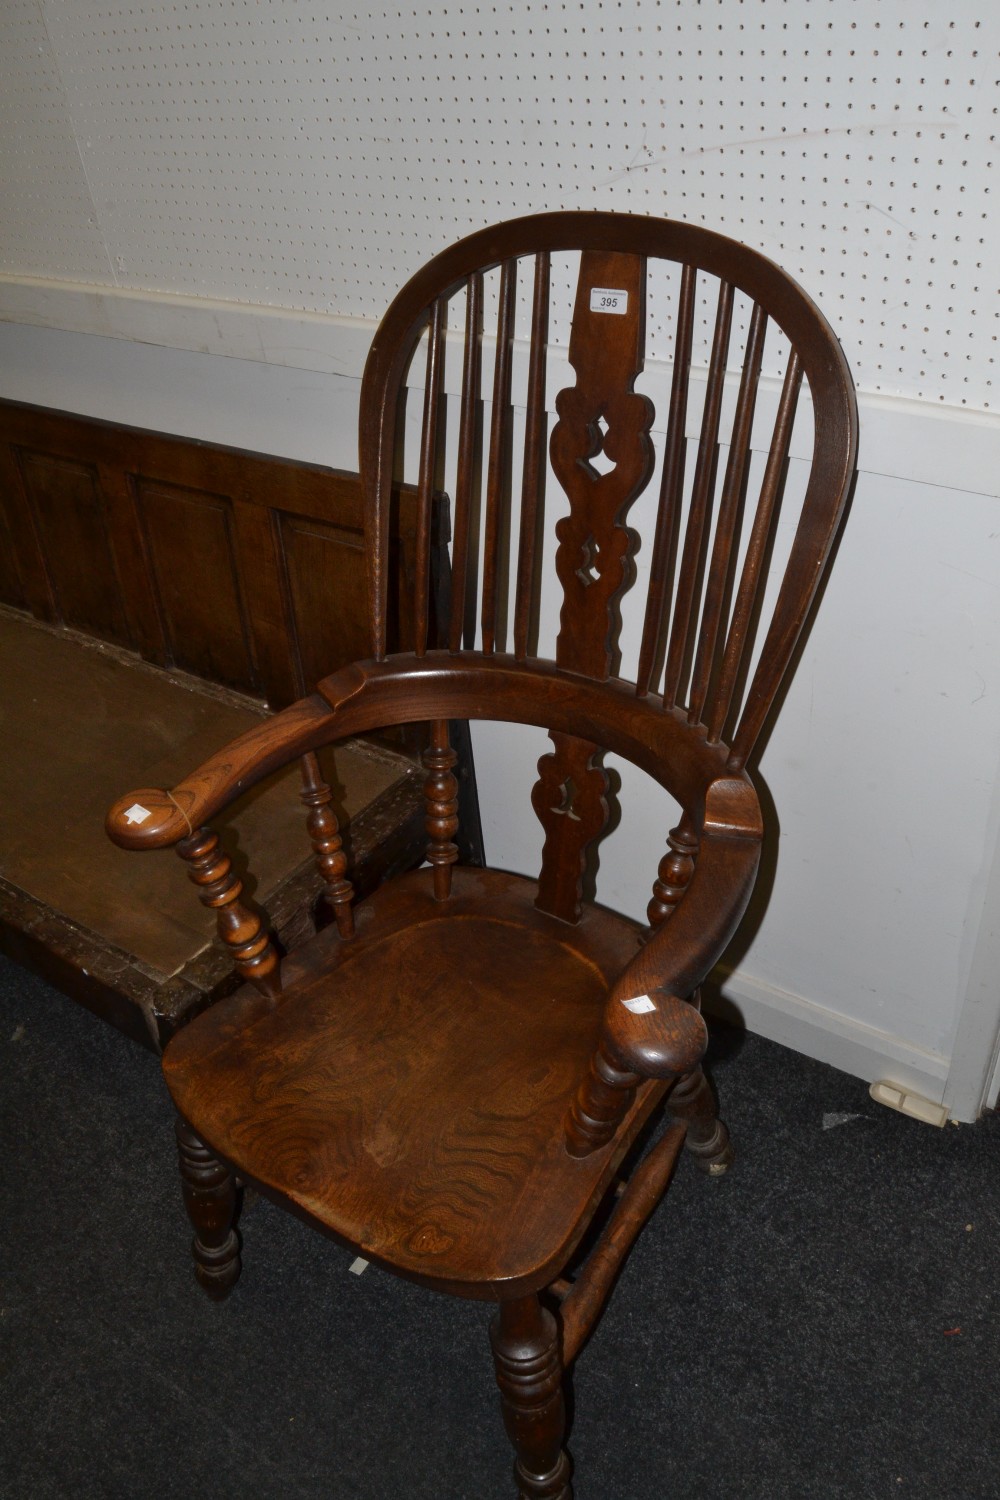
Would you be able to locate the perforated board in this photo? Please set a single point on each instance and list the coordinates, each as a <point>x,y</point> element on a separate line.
<point>273,153</point>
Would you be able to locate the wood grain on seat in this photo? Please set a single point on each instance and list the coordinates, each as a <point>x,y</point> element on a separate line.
<point>409,1089</point>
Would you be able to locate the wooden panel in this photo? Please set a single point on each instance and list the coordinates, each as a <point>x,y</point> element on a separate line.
<point>243,569</point>
<point>128,546</point>
<point>268,608</point>
<point>71,522</point>
<point>27,561</point>
<point>11,588</point>
<point>325,571</point>
<point>190,540</point>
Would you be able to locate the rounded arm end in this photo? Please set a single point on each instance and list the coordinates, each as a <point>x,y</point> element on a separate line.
<point>147,819</point>
<point>656,1035</point>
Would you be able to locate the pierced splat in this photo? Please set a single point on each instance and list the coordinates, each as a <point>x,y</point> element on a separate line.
<point>602,457</point>
<point>570,801</point>
<point>601,415</point>
<point>588,571</point>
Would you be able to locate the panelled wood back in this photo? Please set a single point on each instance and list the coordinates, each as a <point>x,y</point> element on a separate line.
<point>242,569</point>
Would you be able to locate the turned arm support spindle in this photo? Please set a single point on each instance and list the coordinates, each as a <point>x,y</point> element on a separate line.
<point>241,929</point>
<point>441,795</point>
<point>324,833</point>
<point>665,1040</point>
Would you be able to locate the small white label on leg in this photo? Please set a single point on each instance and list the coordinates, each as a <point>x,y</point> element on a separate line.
<point>358,1266</point>
<point>136,813</point>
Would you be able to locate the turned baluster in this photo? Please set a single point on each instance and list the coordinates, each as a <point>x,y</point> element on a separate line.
<point>674,874</point>
<point>691,1098</point>
<point>601,1103</point>
<point>441,794</point>
<point>529,1372</point>
<point>211,1200</point>
<point>324,833</point>
<point>242,930</point>
<point>692,1102</point>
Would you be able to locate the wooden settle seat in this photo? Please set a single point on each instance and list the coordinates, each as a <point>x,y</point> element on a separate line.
<point>450,1078</point>
<point>159,597</point>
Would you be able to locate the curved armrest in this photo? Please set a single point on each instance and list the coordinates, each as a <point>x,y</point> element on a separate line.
<point>649,1027</point>
<point>153,819</point>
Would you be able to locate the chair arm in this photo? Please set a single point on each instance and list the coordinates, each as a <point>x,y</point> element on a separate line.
<point>649,1027</point>
<point>154,819</point>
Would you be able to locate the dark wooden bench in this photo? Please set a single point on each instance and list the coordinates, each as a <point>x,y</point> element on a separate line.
<point>159,596</point>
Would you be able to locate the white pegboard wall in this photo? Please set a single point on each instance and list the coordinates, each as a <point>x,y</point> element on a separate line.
<point>269,153</point>
<point>47,226</point>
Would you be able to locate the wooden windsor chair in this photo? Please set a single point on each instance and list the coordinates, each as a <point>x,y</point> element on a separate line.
<point>449,1077</point>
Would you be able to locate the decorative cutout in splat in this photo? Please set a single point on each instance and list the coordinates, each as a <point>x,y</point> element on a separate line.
<point>602,457</point>
<point>570,802</point>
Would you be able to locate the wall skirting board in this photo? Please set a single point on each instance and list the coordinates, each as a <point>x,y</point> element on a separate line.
<point>831,1037</point>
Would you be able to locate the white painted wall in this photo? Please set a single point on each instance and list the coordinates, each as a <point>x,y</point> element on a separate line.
<point>164,196</point>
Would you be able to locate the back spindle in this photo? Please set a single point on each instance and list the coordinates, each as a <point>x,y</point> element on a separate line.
<point>671,486</point>
<point>747,596</point>
<point>686,604</point>
<point>324,833</point>
<point>427,474</point>
<point>441,794</point>
<point>465,479</point>
<point>500,424</point>
<point>737,467</point>
<point>534,458</point>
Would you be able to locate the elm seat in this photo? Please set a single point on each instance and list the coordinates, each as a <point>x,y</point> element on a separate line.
<point>408,1091</point>
<point>450,1079</point>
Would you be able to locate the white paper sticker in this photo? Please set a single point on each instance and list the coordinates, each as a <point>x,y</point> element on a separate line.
<point>639,1004</point>
<point>608,299</point>
<point>357,1266</point>
<point>137,813</point>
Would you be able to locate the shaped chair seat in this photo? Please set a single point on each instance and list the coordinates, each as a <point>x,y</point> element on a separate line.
<point>449,1078</point>
<point>408,1092</point>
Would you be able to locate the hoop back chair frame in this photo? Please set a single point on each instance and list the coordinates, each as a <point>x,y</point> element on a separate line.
<point>449,1077</point>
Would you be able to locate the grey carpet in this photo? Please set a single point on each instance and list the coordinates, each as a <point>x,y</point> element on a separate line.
<point>821,1323</point>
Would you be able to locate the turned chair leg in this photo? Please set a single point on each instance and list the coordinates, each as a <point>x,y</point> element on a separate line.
<point>529,1372</point>
<point>210,1197</point>
<point>691,1099</point>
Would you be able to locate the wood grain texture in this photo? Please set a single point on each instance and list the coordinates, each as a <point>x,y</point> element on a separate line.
<point>408,1092</point>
